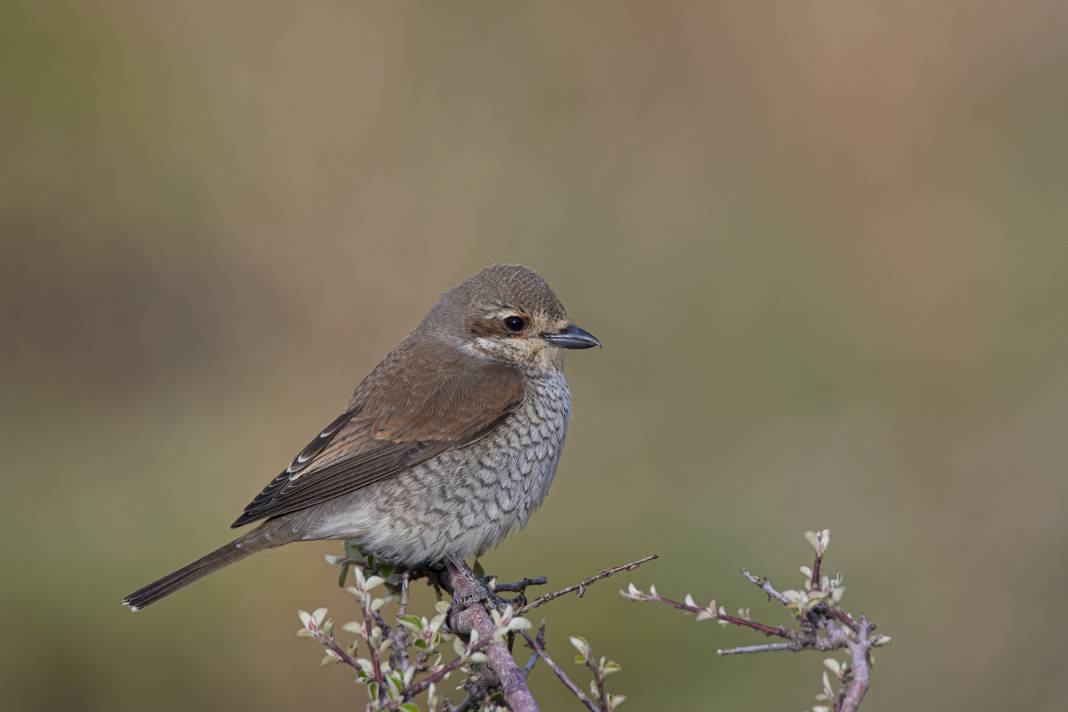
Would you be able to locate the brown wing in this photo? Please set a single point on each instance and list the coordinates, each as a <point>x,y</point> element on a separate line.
<point>422,400</point>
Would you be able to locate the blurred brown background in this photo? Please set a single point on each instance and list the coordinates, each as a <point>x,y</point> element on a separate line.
<point>823,243</point>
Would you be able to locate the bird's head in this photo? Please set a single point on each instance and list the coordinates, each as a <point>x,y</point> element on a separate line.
<point>509,314</point>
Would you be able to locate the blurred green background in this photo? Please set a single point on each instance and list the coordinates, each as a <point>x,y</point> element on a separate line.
<point>823,243</point>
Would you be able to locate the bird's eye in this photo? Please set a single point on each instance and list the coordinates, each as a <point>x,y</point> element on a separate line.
<point>515,323</point>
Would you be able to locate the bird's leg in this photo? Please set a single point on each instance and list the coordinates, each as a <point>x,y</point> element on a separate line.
<point>471,588</point>
<point>467,588</point>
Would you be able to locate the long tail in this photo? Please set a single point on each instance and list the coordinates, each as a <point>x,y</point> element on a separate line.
<point>225,555</point>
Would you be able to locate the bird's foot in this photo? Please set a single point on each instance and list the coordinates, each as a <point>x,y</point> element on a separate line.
<point>474,589</point>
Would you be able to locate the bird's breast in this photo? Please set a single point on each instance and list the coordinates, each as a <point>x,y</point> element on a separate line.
<point>464,501</point>
<point>508,474</point>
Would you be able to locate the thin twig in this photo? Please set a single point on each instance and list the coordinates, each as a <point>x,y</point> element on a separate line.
<point>581,586</point>
<point>540,639</point>
<point>745,649</point>
<point>844,617</point>
<point>568,682</point>
<point>331,644</point>
<point>376,665</point>
<point>815,580</point>
<point>823,644</point>
<point>765,585</point>
<point>442,672</point>
<point>598,681</point>
<point>714,614</point>
<point>823,625</point>
<point>521,585</point>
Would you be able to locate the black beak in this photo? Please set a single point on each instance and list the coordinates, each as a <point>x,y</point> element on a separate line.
<point>571,338</point>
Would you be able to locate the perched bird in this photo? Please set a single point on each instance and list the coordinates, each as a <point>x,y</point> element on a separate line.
<point>450,443</point>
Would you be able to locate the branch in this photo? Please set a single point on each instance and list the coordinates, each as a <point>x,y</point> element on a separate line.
<point>581,586</point>
<point>521,585</point>
<point>403,660</point>
<point>822,626</point>
<point>477,693</point>
<point>765,585</point>
<point>376,664</point>
<point>598,680</point>
<point>709,612</point>
<point>860,671</point>
<point>330,643</point>
<point>794,646</point>
<point>441,673</point>
<point>539,650</point>
<point>474,617</point>
<point>765,648</point>
<point>540,640</point>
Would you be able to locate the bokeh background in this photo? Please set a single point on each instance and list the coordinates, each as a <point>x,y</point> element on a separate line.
<point>823,243</point>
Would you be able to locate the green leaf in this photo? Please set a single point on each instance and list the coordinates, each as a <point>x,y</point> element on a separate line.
<point>520,624</point>
<point>581,645</point>
<point>410,621</point>
<point>813,539</point>
<point>409,707</point>
<point>393,687</point>
<point>352,550</point>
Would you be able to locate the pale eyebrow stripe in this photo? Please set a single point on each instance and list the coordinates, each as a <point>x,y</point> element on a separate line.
<point>505,311</point>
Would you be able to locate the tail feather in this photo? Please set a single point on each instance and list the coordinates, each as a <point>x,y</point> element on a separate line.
<point>223,556</point>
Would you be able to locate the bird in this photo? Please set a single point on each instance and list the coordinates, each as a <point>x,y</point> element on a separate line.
<point>449,444</point>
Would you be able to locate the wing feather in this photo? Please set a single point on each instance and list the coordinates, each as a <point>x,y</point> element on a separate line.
<point>421,401</point>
